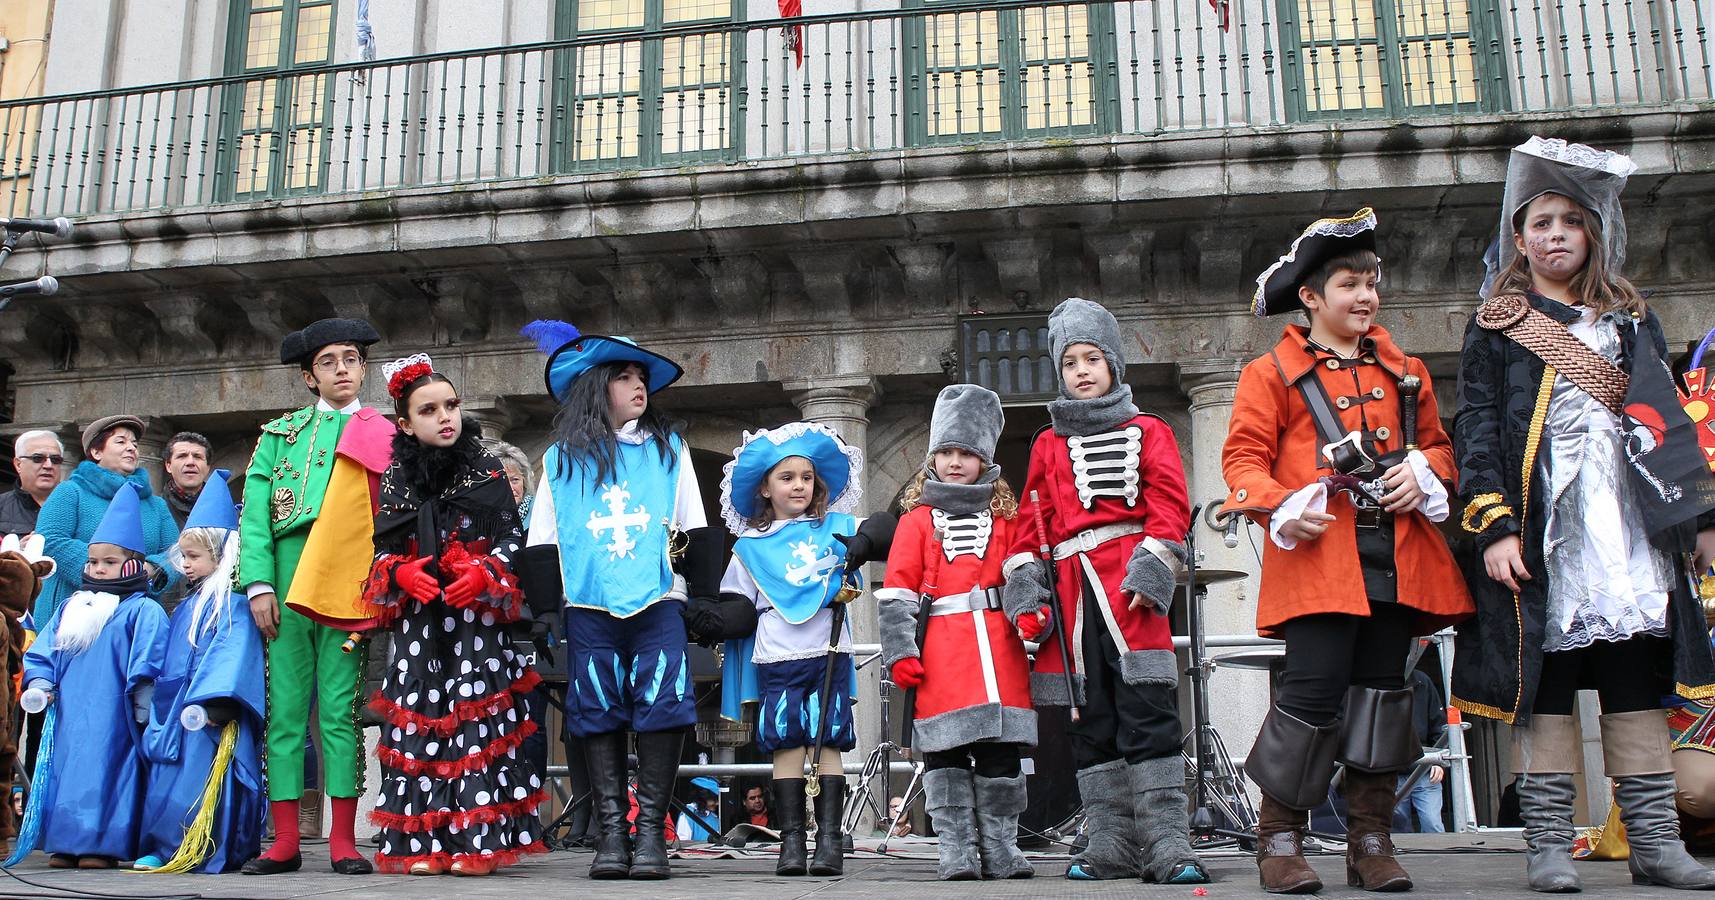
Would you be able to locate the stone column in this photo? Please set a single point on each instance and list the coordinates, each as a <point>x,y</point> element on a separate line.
<point>843,403</point>
<point>1230,607</point>
<point>493,414</point>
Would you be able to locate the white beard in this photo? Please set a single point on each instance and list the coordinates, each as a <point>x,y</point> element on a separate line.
<point>85,614</point>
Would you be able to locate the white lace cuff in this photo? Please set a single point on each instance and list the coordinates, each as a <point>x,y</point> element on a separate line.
<point>1309,498</point>
<point>1434,505</point>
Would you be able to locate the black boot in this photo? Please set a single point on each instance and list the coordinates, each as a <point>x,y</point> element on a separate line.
<point>657,766</point>
<point>604,755</point>
<point>789,815</point>
<point>830,858</point>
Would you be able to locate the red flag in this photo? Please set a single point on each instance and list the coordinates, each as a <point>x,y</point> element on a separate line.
<point>792,9</point>
<point>1223,9</point>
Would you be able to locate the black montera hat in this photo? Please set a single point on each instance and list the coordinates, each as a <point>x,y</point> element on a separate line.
<point>301,346</point>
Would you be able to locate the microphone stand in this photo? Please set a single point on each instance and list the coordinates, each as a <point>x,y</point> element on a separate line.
<point>9,244</point>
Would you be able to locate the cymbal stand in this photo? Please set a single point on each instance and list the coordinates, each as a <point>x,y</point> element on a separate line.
<point>1221,805</point>
<point>880,765</point>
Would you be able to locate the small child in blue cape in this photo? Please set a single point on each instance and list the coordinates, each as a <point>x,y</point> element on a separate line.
<point>101,651</point>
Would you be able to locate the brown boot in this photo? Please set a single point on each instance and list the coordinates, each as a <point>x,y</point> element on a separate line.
<point>1280,852</point>
<point>1369,848</point>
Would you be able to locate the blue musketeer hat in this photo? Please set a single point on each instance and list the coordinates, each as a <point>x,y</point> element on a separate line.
<point>122,524</point>
<point>838,464</point>
<point>572,353</point>
<point>214,507</point>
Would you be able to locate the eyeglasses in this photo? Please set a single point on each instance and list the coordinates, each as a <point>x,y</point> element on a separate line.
<point>44,459</point>
<point>332,364</point>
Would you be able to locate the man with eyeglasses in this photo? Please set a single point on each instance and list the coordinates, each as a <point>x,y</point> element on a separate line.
<point>39,459</point>
<point>294,511</point>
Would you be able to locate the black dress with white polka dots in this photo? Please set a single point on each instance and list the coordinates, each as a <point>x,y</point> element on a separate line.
<point>454,785</point>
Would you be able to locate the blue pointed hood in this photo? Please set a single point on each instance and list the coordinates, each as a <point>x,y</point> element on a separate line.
<point>214,507</point>
<point>122,525</point>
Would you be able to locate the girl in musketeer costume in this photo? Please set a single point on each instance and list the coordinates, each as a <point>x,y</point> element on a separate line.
<point>959,653</point>
<point>456,794</point>
<point>210,708</point>
<point>788,494</point>
<point>1354,566</point>
<point>617,489</point>
<point>1114,510</point>
<point>1587,494</point>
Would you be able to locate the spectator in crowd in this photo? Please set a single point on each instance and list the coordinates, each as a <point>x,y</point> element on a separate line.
<point>38,458</point>
<point>70,516</point>
<point>186,462</point>
<point>705,811</point>
<point>900,817</point>
<point>1429,719</point>
<point>518,473</point>
<point>756,806</point>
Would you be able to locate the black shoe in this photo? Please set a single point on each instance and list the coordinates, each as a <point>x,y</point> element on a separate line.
<point>789,815</point>
<point>604,756</point>
<point>262,865</point>
<point>830,858</point>
<point>353,865</point>
<point>657,766</point>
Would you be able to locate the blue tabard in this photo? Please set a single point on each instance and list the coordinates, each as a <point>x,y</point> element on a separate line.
<point>613,535</point>
<point>795,565</point>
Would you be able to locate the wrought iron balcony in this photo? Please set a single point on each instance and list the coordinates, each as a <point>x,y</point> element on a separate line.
<point>647,95</point>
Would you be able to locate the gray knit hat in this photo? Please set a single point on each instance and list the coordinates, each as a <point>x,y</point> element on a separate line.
<point>1080,321</point>
<point>967,416</point>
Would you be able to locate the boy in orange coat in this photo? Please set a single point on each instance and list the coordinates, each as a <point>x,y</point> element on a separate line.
<point>1336,448</point>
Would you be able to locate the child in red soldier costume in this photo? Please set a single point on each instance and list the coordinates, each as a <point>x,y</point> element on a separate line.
<point>1112,492</point>
<point>969,670</point>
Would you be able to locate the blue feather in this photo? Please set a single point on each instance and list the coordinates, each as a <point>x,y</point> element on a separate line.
<point>31,832</point>
<point>551,334</point>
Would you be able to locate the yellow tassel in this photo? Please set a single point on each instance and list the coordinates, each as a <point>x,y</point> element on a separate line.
<point>198,844</point>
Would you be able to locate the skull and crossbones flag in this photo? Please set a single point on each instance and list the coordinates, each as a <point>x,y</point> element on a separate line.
<point>1672,474</point>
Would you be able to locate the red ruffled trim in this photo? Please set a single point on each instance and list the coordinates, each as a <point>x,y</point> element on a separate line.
<point>378,588</point>
<point>394,865</point>
<point>463,711</point>
<point>460,818</point>
<point>453,768</point>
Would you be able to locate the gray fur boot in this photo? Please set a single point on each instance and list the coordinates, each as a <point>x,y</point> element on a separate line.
<point>1110,849</point>
<point>1163,822</point>
<point>999,802</point>
<point>1637,754</point>
<point>949,798</point>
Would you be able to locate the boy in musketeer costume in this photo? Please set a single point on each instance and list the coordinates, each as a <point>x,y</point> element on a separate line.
<point>95,661</point>
<point>960,654</point>
<point>1586,493</point>
<point>210,706</point>
<point>1336,447</point>
<point>618,485</point>
<point>1112,498</point>
<point>307,538</point>
<point>788,495</point>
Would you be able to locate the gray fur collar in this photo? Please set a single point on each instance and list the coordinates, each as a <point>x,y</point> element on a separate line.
<point>1078,418</point>
<point>961,499</point>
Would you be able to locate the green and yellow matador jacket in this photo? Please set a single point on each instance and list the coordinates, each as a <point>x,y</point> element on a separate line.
<point>283,492</point>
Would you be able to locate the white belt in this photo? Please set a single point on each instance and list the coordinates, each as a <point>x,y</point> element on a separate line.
<point>1085,541</point>
<point>969,601</point>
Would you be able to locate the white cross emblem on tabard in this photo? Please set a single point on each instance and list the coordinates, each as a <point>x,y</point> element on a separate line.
<point>813,564</point>
<point>618,521</point>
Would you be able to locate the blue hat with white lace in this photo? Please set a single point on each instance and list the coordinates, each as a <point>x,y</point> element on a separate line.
<point>838,464</point>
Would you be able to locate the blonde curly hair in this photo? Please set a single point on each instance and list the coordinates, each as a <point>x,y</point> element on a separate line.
<point>1004,505</point>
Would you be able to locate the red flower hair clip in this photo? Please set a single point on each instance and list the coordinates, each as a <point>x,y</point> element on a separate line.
<point>401,373</point>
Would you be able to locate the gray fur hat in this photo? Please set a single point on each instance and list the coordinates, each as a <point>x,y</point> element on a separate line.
<point>1080,321</point>
<point>967,416</point>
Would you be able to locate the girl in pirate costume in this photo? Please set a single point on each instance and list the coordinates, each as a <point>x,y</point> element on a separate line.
<point>1587,494</point>
<point>1355,566</point>
<point>455,794</point>
<point>788,494</point>
<point>617,489</point>
<point>969,667</point>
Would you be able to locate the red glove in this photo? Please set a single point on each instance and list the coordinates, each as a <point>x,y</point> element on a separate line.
<point>908,672</point>
<point>414,581</point>
<point>468,585</point>
<point>1031,627</point>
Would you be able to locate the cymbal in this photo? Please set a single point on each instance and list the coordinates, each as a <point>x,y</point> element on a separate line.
<point>1212,576</point>
<point>1264,658</point>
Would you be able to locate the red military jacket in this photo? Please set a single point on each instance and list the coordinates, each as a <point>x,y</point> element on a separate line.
<point>1144,488</point>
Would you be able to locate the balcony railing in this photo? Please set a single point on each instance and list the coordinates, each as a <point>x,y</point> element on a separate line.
<point>940,73</point>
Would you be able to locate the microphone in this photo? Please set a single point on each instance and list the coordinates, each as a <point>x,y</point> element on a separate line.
<point>45,285</point>
<point>1230,535</point>
<point>60,227</point>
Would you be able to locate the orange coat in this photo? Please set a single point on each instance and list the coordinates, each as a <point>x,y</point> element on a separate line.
<point>1272,451</point>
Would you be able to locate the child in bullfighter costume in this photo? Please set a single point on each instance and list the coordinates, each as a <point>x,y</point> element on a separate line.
<point>1112,499</point>
<point>966,662</point>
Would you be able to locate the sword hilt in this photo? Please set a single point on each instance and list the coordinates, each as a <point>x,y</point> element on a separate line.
<point>1409,387</point>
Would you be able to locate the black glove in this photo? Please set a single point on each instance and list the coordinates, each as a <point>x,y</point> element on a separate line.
<point>538,569</point>
<point>873,541</point>
<point>703,621</point>
<point>708,622</point>
<point>704,561</point>
<point>220,711</point>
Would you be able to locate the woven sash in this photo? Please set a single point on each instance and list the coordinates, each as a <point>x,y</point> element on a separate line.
<point>1556,346</point>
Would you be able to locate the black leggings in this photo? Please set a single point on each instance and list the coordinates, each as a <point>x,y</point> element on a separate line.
<point>1327,653</point>
<point>992,760</point>
<point>1624,674</point>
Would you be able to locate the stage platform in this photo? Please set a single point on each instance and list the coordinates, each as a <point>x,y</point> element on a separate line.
<point>1490,866</point>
